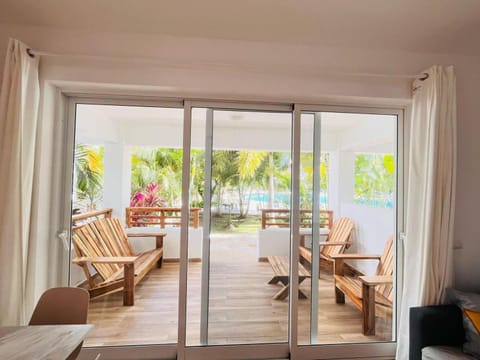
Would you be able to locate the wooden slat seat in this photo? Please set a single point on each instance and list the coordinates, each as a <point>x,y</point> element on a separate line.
<point>353,286</point>
<point>339,238</point>
<point>142,264</point>
<point>104,245</point>
<point>281,270</point>
<point>371,294</point>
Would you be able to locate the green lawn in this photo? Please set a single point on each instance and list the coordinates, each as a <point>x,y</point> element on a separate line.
<point>248,225</point>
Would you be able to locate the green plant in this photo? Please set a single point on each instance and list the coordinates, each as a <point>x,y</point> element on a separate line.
<point>374,179</point>
<point>162,166</point>
<point>89,173</point>
<point>148,197</point>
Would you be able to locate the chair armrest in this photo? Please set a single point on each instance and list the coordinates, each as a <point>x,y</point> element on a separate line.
<point>435,325</point>
<point>148,234</point>
<point>373,280</point>
<point>105,260</point>
<point>334,243</point>
<point>356,257</point>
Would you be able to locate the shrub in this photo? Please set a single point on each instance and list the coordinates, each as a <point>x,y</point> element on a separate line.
<point>148,197</point>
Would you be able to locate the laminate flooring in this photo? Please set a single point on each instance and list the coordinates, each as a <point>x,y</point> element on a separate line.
<point>241,308</point>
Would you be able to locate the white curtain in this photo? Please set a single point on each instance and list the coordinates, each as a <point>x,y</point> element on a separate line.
<point>27,248</point>
<point>428,244</point>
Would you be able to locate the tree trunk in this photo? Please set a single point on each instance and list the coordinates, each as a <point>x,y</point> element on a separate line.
<point>248,202</point>
<point>240,201</point>
<point>271,182</point>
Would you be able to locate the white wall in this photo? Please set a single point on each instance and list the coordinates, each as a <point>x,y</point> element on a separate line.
<point>171,242</point>
<point>373,226</point>
<point>274,241</point>
<point>255,70</point>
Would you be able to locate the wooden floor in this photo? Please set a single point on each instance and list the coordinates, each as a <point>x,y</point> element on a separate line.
<point>241,308</point>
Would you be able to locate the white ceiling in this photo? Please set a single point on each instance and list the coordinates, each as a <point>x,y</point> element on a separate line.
<point>447,26</point>
<point>260,130</point>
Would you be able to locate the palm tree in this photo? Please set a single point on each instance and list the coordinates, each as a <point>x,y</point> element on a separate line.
<point>306,184</point>
<point>88,173</point>
<point>224,169</point>
<point>158,165</point>
<point>250,173</point>
<point>374,178</point>
<point>197,171</point>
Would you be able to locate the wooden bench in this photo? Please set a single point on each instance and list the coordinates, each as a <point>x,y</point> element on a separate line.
<point>78,220</point>
<point>281,268</point>
<point>371,294</point>
<point>104,245</point>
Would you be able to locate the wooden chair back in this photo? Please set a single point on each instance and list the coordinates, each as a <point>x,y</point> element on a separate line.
<point>342,231</point>
<point>385,267</point>
<point>102,238</point>
<point>62,306</point>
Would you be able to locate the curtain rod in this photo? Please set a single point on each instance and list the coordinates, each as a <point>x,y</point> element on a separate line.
<point>421,77</point>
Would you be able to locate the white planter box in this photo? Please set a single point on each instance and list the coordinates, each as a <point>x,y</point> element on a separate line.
<point>171,242</point>
<point>276,241</point>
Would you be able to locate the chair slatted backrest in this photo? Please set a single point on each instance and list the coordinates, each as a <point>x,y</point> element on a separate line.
<point>342,231</point>
<point>102,238</point>
<point>385,267</point>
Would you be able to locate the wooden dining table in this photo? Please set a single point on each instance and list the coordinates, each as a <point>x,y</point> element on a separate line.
<point>41,342</point>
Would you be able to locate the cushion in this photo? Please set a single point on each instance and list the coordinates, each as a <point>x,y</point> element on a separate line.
<point>444,353</point>
<point>474,317</point>
<point>470,305</point>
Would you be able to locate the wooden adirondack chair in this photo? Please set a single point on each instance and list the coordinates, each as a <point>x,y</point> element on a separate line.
<point>339,238</point>
<point>103,243</point>
<point>370,294</point>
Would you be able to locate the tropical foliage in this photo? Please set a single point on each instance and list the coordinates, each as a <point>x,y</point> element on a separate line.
<point>236,176</point>
<point>88,174</point>
<point>306,180</point>
<point>197,179</point>
<point>148,197</point>
<point>158,166</point>
<point>374,179</point>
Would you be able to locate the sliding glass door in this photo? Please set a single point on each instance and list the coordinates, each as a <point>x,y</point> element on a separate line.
<point>270,220</point>
<point>240,165</point>
<point>349,183</point>
<point>127,167</point>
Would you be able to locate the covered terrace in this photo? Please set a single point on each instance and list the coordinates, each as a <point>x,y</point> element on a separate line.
<point>241,305</point>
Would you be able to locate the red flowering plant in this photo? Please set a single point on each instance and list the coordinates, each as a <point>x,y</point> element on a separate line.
<point>148,197</point>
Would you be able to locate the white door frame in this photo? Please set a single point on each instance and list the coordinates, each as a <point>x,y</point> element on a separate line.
<point>249,351</point>
<point>378,350</point>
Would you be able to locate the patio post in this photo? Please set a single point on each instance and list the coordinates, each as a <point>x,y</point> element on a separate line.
<point>346,176</point>
<point>117,173</point>
<point>334,183</point>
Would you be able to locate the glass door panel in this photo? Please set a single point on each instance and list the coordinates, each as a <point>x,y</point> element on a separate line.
<point>128,166</point>
<point>348,182</point>
<point>244,157</point>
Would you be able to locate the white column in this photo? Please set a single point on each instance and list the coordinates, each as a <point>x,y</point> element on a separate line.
<point>117,178</point>
<point>341,180</point>
<point>346,177</point>
<point>333,183</point>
